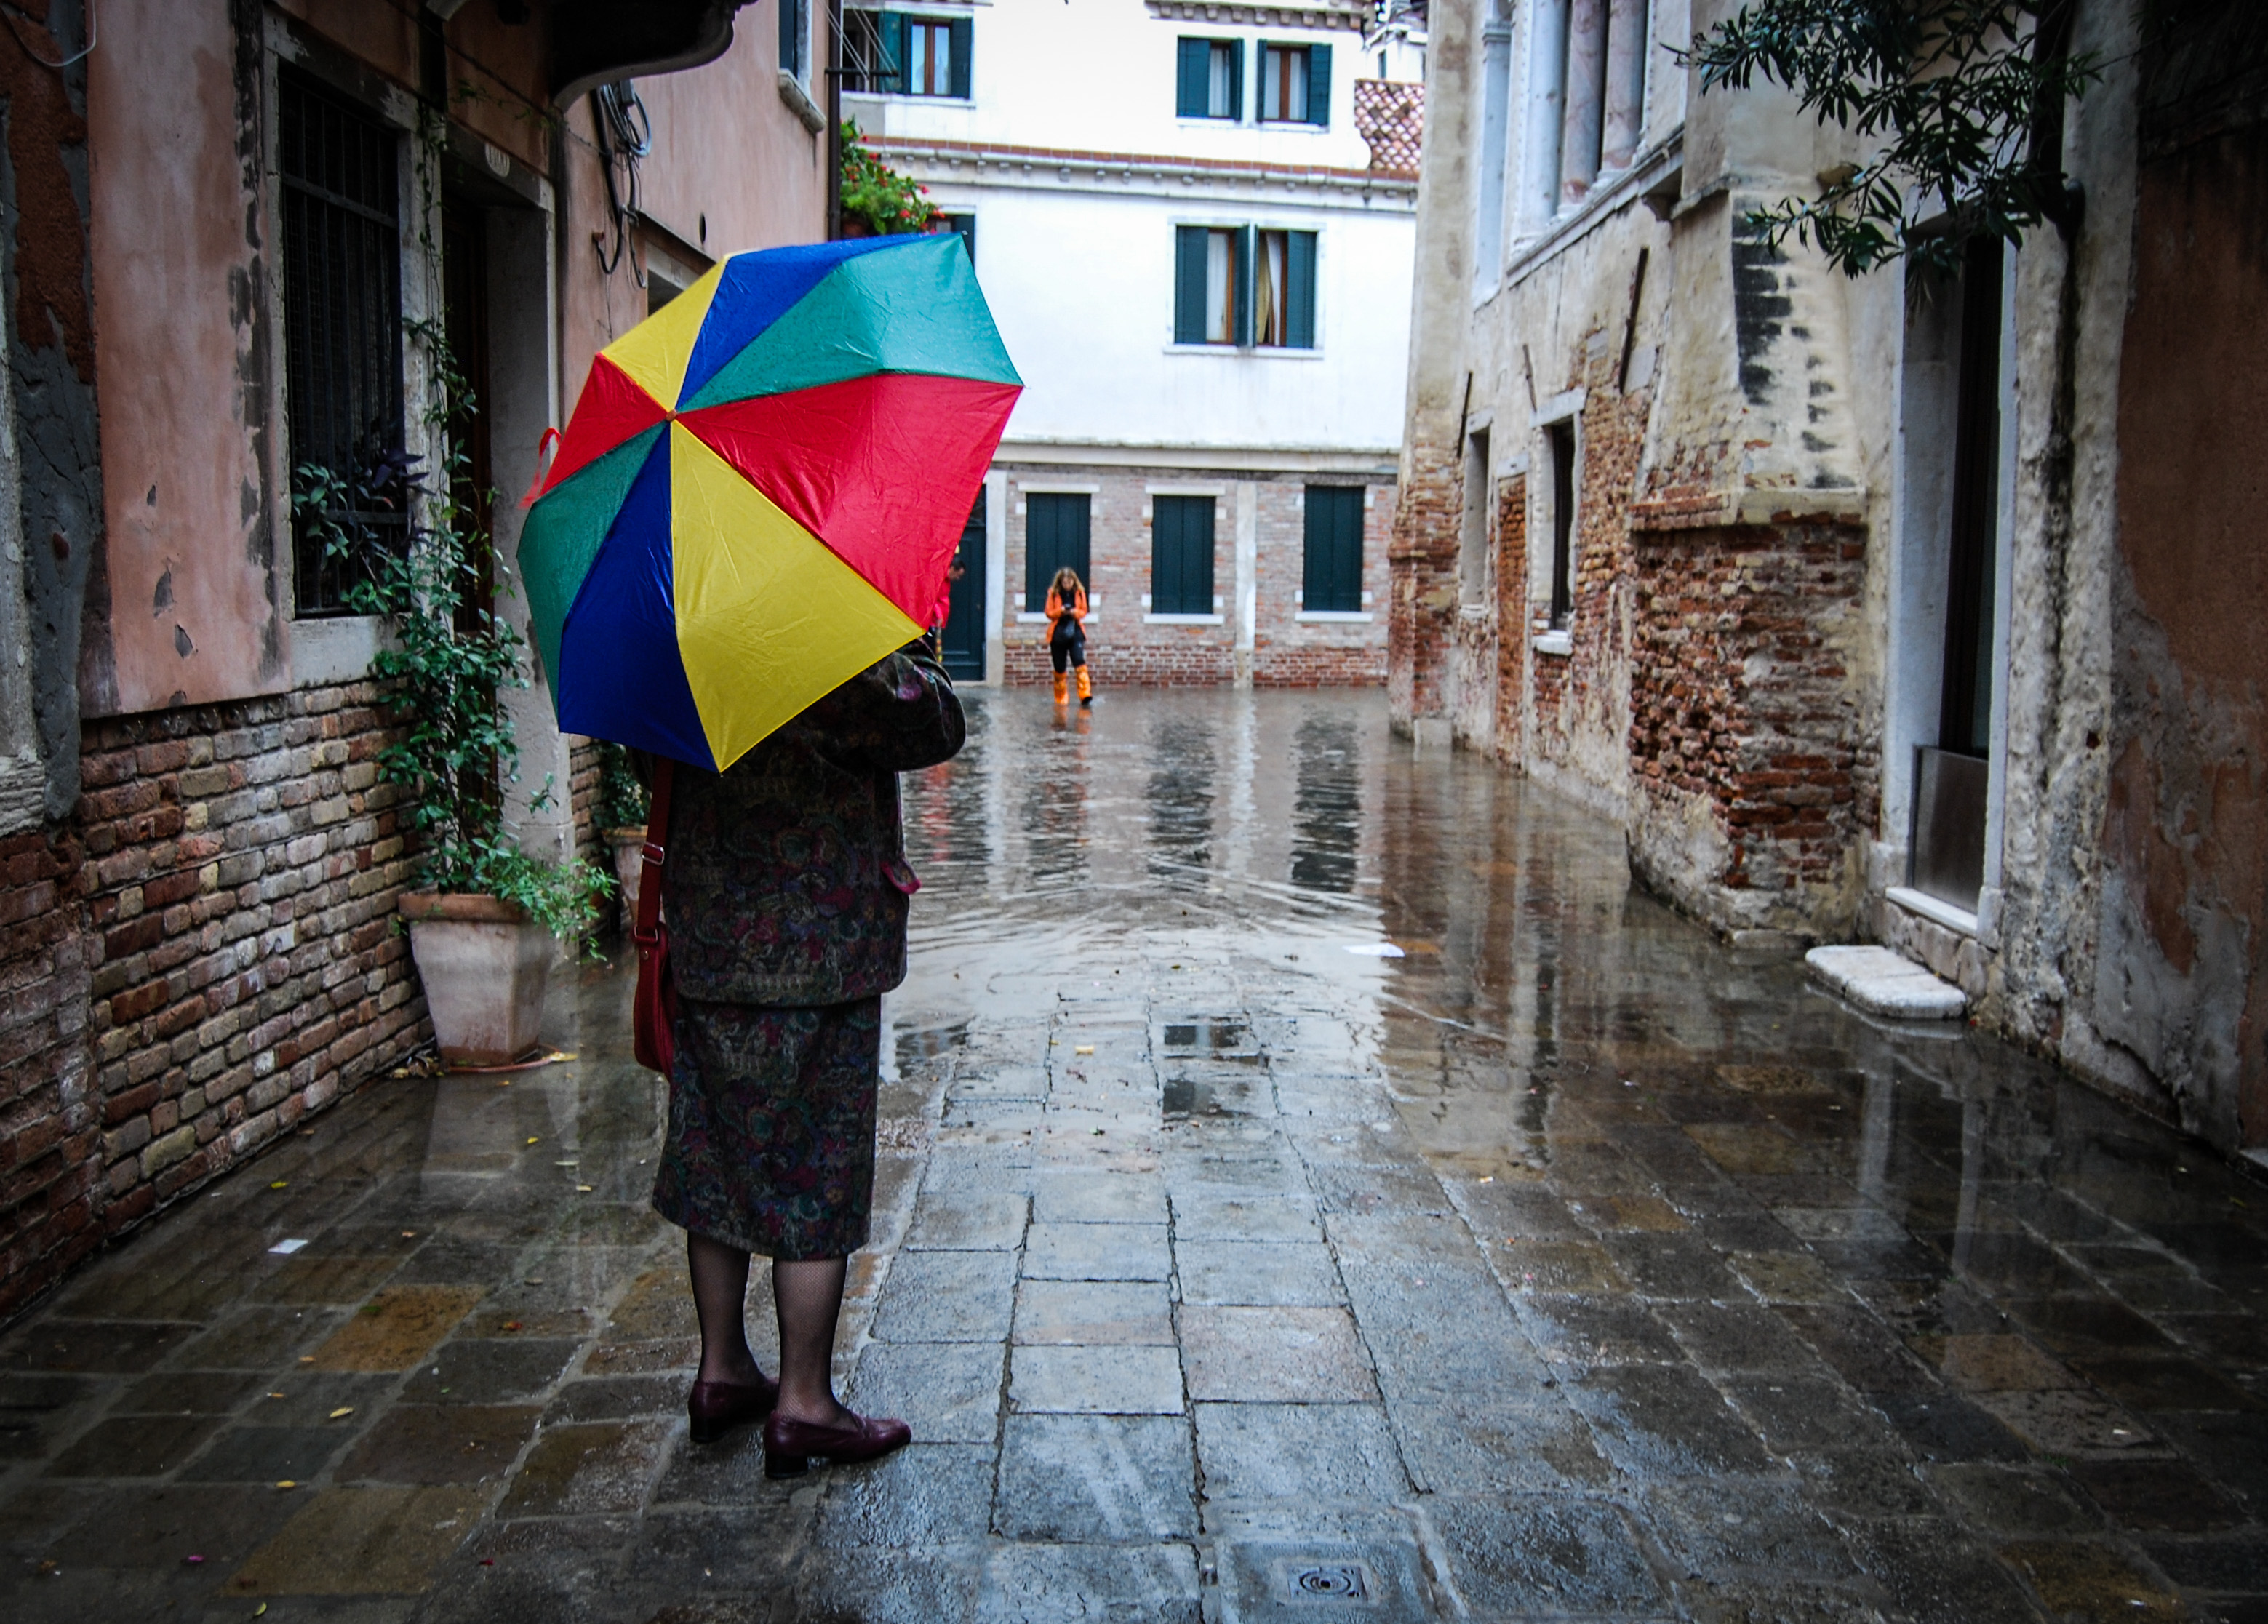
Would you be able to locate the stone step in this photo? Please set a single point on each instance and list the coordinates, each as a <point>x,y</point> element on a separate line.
<point>1882,982</point>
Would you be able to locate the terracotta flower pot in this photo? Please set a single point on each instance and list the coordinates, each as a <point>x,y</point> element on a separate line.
<point>628,847</point>
<point>485,966</point>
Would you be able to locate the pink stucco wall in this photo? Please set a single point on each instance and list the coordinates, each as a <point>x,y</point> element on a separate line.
<point>195,579</point>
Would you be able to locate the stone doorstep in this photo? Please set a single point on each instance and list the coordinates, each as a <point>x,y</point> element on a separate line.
<point>1882,982</point>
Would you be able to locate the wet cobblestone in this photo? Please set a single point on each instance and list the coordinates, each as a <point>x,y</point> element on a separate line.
<point>1567,1265</point>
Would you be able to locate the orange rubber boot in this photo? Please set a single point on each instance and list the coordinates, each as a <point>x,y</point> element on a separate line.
<point>1062,688</point>
<point>1086,688</point>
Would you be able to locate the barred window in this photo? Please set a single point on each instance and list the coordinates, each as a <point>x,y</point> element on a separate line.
<point>343,335</point>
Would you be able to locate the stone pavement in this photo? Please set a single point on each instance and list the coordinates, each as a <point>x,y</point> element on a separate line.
<point>1566,1266</point>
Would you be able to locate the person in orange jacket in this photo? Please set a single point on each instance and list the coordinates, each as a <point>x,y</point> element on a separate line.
<point>1067,632</point>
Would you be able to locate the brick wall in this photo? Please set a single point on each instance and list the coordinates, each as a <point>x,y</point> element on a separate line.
<point>48,1124</point>
<point>211,955</point>
<point>1743,718</point>
<point>1511,635</point>
<point>1125,651</point>
<point>1422,608</point>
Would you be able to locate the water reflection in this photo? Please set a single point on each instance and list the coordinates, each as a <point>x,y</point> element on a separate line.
<point>1183,767</point>
<point>1326,805</point>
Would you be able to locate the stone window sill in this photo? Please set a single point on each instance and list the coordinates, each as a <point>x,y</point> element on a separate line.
<point>1561,642</point>
<point>1955,919</point>
<point>1334,616</point>
<point>799,99</point>
<point>1184,619</point>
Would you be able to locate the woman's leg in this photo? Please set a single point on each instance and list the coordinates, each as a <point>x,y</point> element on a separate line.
<point>810,1296</point>
<point>720,1295</point>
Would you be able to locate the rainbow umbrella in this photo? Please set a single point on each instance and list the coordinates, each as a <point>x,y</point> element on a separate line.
<point>761,490</point>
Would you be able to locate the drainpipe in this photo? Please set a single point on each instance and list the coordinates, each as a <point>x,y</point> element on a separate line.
<point>834,120</point>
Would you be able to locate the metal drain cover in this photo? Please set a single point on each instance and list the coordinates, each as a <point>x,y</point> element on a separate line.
<point>1326,1582</point>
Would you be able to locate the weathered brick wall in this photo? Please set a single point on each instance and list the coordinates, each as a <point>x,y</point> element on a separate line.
<point>1756,779</point>
<point>48,1133</point>
<point>216,955</point>
<point>1422,608</point>
<point>1512,629</point>
<point>1125,651</point>
<point>1579,721</point>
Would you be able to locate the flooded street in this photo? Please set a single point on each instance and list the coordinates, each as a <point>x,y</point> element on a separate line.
<point>1317,1183</point>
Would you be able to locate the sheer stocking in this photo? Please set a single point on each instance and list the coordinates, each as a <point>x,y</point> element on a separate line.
<point>809,1295</point>
<point>720,1293</point>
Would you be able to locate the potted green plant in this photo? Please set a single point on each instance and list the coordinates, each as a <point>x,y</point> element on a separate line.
<point>877,200</point>
<point>622,823</point>
<point>484,917</point>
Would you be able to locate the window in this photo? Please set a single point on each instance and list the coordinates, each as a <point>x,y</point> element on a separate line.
<point>1561,437</point>
<point>892,53</point>
<point>1055,538</point>
<point>1295,84</point>
<point>1180,555</point>
<point>1212,79</point>
<point>1332,580</point>
<point>342,331</point>
<point>1240,285</point>
<point>795,39</point>
<point>1473,529</point>
<point>964,226</point>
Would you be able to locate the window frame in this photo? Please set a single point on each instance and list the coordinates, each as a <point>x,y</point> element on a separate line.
<point>795,40</point>
<point>1315,85</point>
<point>1191,74</point>
<point>1193,297</point>
<point>1563,448</point>
<point>887,71</point>
<point>313,597</point>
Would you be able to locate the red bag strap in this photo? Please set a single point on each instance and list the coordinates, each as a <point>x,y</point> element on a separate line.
<point>545,450</point>
<point>647,929</point>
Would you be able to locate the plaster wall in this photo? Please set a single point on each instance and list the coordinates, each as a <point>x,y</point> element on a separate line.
<point>1102,76</point>
<point>1081,283</point>
<point>182,283</point>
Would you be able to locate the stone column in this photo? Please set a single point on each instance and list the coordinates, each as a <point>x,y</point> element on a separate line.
<point>1627,54</point>
<point>1586,106</point>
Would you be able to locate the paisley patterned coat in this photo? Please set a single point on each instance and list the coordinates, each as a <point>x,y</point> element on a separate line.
<point>786,881</point>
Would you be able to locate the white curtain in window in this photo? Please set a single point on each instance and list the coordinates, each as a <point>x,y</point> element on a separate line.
<point>1218,101</point>
<point>1220,287</point>
<point>1284,84</point>
<point>1268,289</point>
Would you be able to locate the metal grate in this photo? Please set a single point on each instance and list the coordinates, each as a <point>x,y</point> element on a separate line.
<point>343,332</point>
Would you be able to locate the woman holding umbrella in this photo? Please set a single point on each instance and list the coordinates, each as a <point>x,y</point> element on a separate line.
<point>786,888</point>
<point>728,565</point>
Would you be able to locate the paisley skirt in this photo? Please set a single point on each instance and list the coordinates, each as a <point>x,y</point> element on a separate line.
<point>771,1127</point>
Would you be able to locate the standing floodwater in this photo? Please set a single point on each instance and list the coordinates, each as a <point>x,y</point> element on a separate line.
<point>1316,1183</point>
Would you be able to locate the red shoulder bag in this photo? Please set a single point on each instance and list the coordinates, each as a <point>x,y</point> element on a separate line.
<point>653,1012</point>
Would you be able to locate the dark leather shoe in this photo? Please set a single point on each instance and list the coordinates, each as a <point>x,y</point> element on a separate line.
<point>716,1408</point>
<point>791,1445</point>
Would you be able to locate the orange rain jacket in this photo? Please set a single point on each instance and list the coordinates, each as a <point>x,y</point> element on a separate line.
<point>1057,612</point>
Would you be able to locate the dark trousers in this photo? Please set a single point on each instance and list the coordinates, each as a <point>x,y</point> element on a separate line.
<point>1067,651</point>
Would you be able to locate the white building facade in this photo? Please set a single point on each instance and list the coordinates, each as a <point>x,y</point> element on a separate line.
<point>1200,265</point>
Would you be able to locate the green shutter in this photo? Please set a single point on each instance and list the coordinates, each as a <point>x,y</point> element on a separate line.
<point>1247,240</point>
<point>891,34</point>
<point>1180,555</point>
<point>1236,79</point>
<point>791,37</point>
<point>1299,289</point>
<point>1195,78</point>
<point>1319,84</point>
<point>1189,284</point>
<point>957,33</point>
<point>1055,529</point>
<point>1332,579</point>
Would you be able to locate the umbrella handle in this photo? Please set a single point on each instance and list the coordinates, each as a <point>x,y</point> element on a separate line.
<point>545,448</point>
